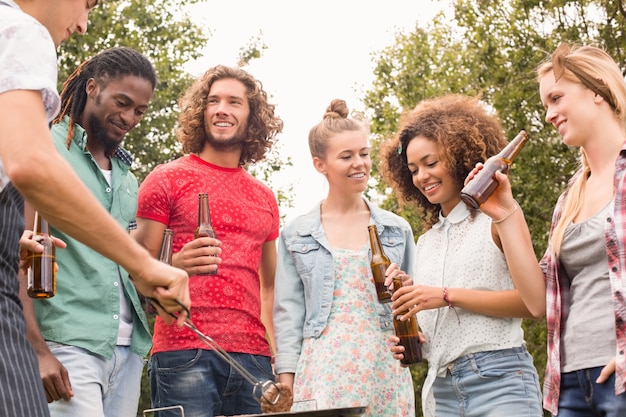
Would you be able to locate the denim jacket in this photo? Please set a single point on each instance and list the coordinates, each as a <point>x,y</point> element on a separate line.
<point>305,278</point>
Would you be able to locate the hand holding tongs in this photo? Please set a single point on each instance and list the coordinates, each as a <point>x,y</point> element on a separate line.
<point>256,384</point>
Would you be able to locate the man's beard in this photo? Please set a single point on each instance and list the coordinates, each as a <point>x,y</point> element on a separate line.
<point>233,143</point>
<point>109,144</point>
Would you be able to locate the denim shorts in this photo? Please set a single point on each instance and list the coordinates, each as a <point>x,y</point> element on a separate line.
<point>490,384</point>
<point>581,396</point>
<point>204,384</point>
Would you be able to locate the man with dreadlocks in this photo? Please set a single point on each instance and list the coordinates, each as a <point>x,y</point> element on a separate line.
<point>92,337</point>
<point>31,169</point>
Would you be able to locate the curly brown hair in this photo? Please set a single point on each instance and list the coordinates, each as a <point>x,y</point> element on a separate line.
<point>465,133</point>
<point>263,124</point>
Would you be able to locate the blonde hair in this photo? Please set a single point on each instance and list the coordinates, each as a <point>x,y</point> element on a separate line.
<point>596,70</point>
<point>335,121</point>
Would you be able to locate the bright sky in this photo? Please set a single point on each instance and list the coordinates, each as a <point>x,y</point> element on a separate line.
<point>316,51</point>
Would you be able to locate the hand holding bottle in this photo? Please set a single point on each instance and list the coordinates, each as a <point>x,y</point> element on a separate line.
<point>27,243</point>
<point>411,299</point>
<point>395,271</point>
<point>501,202</point>
<point>482,184</point>
<point>407,331</point>
<point>398,350</point>
<point>199,256</point>
<point>42,267</point>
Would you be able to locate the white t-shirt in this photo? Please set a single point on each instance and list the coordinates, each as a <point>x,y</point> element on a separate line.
<point>29,60</point>
<point>125,333</point>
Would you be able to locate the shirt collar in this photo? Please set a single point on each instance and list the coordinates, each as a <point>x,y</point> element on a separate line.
<point>10,3</point>
<point>80,139</point>
<point>457,215</point>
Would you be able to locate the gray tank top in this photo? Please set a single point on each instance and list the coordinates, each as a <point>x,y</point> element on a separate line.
<point>588,334</point>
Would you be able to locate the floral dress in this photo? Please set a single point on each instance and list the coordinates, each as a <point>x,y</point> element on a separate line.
<point>351,363</point>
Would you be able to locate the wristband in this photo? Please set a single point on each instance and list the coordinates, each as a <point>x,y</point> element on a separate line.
<point>450,304</point>
<point>507,215</point>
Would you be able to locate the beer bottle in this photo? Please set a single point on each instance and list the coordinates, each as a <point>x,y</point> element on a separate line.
<point>205,228</point>
<point>478,190</point>
<point>407,332</point>
<point>41,270</point>
<point>165,252</point>
<point>165,256</point>
<point>379,263</point>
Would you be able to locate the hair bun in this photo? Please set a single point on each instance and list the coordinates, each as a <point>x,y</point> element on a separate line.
<point>337,109</point>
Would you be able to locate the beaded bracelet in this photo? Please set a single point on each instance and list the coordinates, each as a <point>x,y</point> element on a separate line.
<point>507,215</point>
<point>450,305</point>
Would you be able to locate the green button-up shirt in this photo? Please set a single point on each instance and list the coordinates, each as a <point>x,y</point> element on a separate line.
<point>85,311</point>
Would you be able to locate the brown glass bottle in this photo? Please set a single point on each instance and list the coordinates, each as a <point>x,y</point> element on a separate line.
<point>408,333</point>
<point>205,228</point>
<point>478,190</point>
<point>41,271</point>
<point>165,255</point>
<point>379,263</point>
<point>165,252</point>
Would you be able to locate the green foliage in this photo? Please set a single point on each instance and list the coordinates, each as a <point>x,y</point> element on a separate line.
<point>491,48</point>
<point>263,171</point>
<point>170,39</point>
<point>253,50</point>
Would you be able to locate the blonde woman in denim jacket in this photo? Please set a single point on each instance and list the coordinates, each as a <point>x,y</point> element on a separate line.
<point>331,332</point>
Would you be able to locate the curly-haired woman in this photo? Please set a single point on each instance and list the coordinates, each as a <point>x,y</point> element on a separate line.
<point>467,278</point>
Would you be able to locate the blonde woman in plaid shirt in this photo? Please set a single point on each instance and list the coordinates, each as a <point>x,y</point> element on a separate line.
<point>584,93</point>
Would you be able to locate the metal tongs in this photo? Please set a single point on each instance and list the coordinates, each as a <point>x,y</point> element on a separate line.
<point>259,387</point>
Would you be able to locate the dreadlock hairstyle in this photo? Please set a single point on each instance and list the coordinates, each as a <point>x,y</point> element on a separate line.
<point>111,64</point>
<point>263,124</point>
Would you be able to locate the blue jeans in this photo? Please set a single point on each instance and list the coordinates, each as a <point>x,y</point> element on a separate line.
<point>204,384</point>
<point>490,384</point>
<point>581,396</point>
<point>102,387</point>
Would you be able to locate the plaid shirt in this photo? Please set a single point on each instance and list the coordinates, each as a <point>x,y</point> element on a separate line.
<point>557,290</point>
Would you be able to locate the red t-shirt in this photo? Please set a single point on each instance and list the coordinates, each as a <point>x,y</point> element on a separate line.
<point>244,213</point>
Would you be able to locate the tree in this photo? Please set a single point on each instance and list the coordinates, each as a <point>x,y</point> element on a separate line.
<point>491,48</point>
